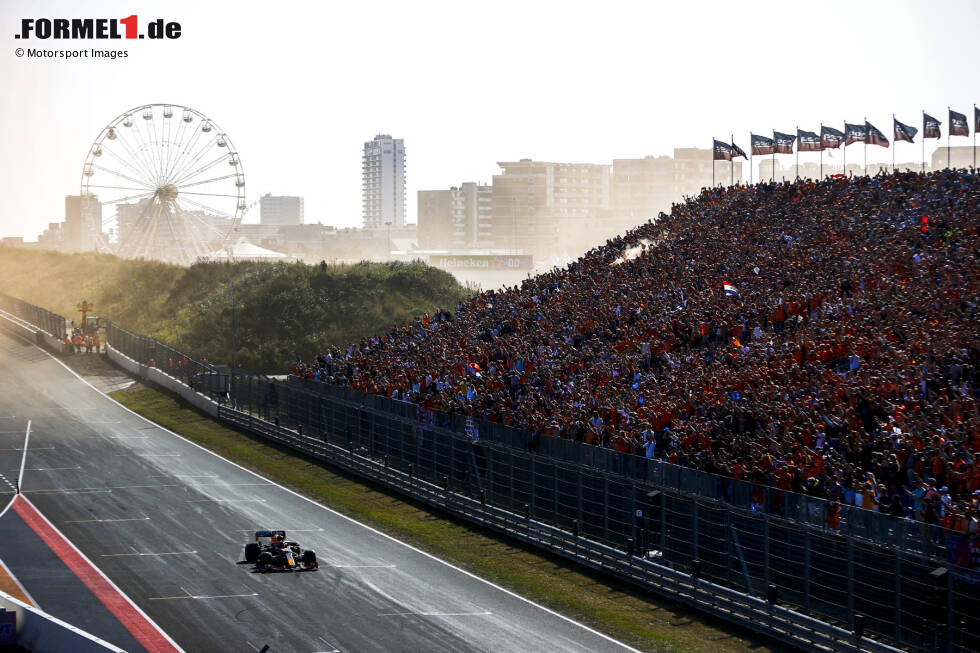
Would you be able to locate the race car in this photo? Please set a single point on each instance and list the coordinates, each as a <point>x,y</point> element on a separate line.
<point>272,552</point>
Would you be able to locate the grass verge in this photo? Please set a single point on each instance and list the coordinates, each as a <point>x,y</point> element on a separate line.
<point>617,609</point>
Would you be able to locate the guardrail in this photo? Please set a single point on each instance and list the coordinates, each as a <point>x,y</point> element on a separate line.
<point>757,614</point>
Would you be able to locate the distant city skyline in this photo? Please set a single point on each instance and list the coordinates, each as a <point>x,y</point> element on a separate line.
<point>650,78</point>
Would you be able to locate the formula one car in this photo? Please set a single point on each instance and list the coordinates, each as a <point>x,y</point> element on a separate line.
<point>271,552</point>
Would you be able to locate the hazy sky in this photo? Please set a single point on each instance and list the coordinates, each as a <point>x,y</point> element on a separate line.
<point>300,86</point>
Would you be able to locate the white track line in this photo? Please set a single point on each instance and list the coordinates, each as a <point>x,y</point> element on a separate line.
<point>132,555</point>
<point>343,516</point>
<point>23,460</point>
<point>104,521</point>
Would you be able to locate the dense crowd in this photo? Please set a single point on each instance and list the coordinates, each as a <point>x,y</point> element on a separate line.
<point>820,337</point>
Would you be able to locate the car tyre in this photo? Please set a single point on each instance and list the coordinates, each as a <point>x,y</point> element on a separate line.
<point>252,552</point>
<point>309,558</point>
<point>265,560</point>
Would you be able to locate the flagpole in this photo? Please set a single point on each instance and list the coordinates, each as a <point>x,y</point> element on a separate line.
<point>772,171</point>
<point>894,144</point>
<point>712,161</point>
<point>923,141</point>
<point>844,147</point>
<point>865,146</point>
<point>733,160</point>
<point>821,151</point>
<point>797,151</point>
<point>750,156</point>
<point>974,138</point>
<point>949,129</point>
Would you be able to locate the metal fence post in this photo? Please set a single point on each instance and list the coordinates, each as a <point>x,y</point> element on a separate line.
<point>580,520</point>
<point>806,571</point>
<point>898,596</point>
<point>695,525</point>
<point>850,580</point>
<point>663,525</point>
<point>534,482</point>
<point>605,506</point>
<point>728,547</point>
<point>511,477</point>
<point>765,554</point>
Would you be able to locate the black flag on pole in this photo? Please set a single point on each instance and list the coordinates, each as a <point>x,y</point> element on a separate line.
<point>930,127</point>
<point>830,138</point>
<point>855,133</point>
<point>762,145</point>
<point>875,137</point>
<point>958,126</point>
<point>976,119</point>
<point>807,141</point>
<point>738,152</point>
<point>904,132</point>
<point>723,151</point>
<point>783,142</point>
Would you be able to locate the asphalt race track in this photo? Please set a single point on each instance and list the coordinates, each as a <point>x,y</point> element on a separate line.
<point>166,522</point>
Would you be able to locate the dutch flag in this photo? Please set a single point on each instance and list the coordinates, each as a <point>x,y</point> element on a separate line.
<point>730,290</point>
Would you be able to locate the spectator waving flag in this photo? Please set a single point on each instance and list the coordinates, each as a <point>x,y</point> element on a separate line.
<point>807,141</point>
<point>738,152</point>
<point>730,290</point>
<point>830,138</point>
<point>855,133</point>
<point>875,137</point>
<point>762,145</point>
<point>783,142</point>
<point>930,127</point>
<point>904,132</point>
<point>958,126</point>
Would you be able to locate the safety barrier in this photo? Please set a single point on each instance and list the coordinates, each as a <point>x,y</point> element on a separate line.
<point>155,375</point>
<point>40,632</point>
<point>757,614</point>
<point>784,546</point>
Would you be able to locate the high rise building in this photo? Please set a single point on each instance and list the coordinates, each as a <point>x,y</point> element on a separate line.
<point>383,185</point>
<point>83,223</point>
<point>456,219</point>
<point>283,210</point>
<point>543,208</point>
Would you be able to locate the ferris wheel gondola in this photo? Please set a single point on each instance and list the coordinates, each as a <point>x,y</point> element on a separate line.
<point>173,179</point>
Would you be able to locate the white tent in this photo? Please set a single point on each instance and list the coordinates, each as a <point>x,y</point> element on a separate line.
<point>245,251</point>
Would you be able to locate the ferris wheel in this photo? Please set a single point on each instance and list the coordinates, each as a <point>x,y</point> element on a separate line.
<point>174,180</point>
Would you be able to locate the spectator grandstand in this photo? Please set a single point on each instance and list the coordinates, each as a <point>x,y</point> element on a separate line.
<point>815,336</point>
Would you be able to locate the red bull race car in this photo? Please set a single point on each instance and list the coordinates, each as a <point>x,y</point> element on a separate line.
<point>272,552</point>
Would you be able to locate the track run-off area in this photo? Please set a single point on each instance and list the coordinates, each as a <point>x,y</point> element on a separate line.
<point>136,535</point>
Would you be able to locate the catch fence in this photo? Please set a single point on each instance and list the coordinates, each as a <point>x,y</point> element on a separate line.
<point>44,319</point>
<point>200,375</point>
<point>892,572</point>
